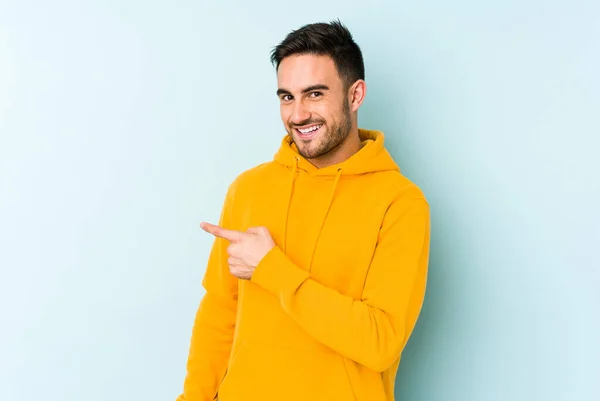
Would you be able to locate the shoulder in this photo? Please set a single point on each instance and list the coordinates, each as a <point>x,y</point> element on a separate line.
<point>249,179</point>
<point>407,209</point>
<point>400,187</point>
<point>406,198</point>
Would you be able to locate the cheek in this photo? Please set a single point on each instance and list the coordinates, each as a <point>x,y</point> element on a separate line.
<point>285,113</point>
<point>325,110</point>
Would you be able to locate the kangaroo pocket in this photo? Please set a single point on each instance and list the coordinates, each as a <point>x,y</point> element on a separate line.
<point>269,372</point>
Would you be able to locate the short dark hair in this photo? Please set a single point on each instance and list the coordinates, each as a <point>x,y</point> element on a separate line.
<point>330,39</point>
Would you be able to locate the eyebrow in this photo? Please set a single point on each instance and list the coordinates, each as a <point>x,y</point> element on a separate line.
<point>311,88</point>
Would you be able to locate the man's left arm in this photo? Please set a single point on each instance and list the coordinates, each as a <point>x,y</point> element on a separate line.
<point>371,331</point>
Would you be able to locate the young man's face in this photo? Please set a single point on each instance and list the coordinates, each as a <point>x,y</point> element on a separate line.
<point>314,104</point>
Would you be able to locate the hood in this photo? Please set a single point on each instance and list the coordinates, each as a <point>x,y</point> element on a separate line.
<point>372,157</point>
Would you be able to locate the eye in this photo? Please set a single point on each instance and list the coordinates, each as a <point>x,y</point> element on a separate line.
<point>315,94</point>
<point>286,98</point>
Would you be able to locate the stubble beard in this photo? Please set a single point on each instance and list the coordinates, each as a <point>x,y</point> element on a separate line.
<point>336,134</point>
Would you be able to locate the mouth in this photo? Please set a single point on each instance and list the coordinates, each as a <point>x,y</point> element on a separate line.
<point>308,132</point>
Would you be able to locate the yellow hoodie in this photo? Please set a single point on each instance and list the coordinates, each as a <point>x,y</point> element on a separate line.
<point>328,310</point>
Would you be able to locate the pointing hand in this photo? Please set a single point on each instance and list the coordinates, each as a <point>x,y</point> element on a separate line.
<point>246,249</point>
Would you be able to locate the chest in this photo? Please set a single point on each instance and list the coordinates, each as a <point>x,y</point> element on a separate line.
<point>328,230</point>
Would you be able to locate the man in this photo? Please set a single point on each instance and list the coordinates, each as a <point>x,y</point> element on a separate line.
<point>318,270</point>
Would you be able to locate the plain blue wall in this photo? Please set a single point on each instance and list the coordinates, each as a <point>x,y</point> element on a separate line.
<point>123,122</point>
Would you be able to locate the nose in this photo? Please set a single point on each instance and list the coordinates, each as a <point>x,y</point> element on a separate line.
<point>300,114</point>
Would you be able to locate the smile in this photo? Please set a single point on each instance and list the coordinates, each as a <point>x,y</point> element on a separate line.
<point>309,132</point>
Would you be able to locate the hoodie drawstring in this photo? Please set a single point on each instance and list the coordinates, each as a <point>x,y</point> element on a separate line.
<point>287,213</point>
<point>329,203</point>
<point>331,197</point>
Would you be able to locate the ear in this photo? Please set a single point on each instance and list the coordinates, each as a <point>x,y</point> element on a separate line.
<point>356,94</point>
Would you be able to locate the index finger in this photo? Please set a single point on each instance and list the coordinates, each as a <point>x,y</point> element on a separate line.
<point>229,235</point>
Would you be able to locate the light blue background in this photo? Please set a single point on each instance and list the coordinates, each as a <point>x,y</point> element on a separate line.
<point>123,122</point>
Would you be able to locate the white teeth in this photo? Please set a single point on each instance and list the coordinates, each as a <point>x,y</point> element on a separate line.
<point>311,129</point>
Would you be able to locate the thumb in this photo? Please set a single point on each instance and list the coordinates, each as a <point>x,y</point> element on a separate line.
<point>258,230</point>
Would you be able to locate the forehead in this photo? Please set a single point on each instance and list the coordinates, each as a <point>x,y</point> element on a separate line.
<point>300,71</point>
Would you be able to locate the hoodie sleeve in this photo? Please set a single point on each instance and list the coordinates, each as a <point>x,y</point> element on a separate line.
<point>214,323</point>
<point>371,331</point>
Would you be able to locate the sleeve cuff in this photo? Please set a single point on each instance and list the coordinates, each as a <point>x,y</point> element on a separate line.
<point>277,274</point>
